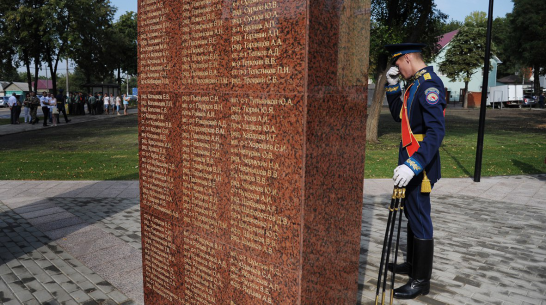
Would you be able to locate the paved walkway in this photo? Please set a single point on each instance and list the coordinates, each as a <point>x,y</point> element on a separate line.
<point>79,242</point>
<point>490,240</point>
<point>74,119</point>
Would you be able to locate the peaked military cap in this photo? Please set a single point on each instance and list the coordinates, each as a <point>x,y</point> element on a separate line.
<point>400,49</point>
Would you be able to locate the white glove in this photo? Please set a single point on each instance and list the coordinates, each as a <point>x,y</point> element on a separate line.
<point>392,76</point>
<point>402,175</point>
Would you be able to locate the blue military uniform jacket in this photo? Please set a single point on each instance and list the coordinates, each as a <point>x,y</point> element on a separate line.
<point>426,104</point>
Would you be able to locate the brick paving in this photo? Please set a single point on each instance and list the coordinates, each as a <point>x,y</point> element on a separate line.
<point>78,242</point>
<point>487,251</point>
<point>60,246</point>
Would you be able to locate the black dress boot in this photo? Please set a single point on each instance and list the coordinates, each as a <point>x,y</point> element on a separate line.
<point>419,282</point>
<point>405,268</point>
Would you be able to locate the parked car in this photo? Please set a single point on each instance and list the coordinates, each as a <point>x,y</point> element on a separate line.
<point>4,101</point>
<point>528,101</point>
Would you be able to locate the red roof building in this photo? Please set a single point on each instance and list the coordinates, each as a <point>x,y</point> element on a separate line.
<point>44,85</point>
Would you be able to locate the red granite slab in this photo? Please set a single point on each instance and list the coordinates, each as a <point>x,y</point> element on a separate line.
<point>251,133</point>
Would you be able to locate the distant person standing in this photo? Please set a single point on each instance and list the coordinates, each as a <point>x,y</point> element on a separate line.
<point>53,109</point>
<point>34,104</point>
<point>541,100</point>
<point>100,104</point>
<point>71,104</point>
<point>92,103</point>
<point>125,104</point>
<point>44,102</point>
<point>61,105</point>
<point>18,106</point>
<point>118,104</point>
<point>106,103</point>
<point>12,103</point>
<point>81,103</point>
<point>112,102</point>
<point>49,96</point>
<point>26,105</point>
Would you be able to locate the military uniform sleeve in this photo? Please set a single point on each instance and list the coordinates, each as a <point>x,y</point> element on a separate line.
<point>394,94</point>
<point>432,100</point>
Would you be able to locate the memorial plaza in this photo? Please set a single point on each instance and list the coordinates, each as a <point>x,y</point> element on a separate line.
<point>79,242</point>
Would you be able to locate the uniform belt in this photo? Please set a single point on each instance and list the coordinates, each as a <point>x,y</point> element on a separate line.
<point>419,137</point>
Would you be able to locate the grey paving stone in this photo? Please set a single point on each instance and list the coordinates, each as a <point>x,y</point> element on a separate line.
<point>9,277</point>
<point>4,269</point>
<point>55,225</point>
<point>43,214</point>
<point>99,296</point>
<point>80,296</point>
<point>70,286</point>
<point>43,296</point>
<point>117,296</point>
<point>15,302</point>
<point>24,296</point>
<point>62,296</point>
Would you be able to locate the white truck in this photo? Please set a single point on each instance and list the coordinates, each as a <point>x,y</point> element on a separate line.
<point>505,95</point>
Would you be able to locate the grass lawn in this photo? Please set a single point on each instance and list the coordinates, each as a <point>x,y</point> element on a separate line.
<point>98,150</point>
<point>515,143</point>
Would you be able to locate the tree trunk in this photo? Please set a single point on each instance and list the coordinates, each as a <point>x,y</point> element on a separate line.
<point>53,73</point>
<point>36,71</point>
<point>27,64</point>
<point>119,77</point>
<point>465,101</point>
<point>536,70</point>
<point>372,124</point>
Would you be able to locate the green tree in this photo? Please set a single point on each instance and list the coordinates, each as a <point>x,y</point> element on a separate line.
<point>23,26</point>
<point>450,26</point>
<point>476,19</point>
<point>396,21</point>
<point>8,52</point>
<point>90,36</point>
<point>465,55</point>
<point>56,32</point>
<point>506,50</point>
<point>528,35</point>
<point>126,33</point>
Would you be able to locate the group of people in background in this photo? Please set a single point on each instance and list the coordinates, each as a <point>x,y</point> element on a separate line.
<point>52,106</point>
<point>80,103</point>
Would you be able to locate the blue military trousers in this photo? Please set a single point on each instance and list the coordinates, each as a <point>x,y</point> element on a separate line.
<point>417,211</point>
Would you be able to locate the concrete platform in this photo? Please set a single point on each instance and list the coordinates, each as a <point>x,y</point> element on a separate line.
<point>78,242</point>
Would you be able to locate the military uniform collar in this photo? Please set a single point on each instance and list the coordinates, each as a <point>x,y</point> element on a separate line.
<point>418,74</point>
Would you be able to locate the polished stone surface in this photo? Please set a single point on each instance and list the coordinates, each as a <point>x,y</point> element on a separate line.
<point>252,140</point>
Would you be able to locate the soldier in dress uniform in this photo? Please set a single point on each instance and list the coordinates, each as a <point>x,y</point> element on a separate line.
<point>420,109</point>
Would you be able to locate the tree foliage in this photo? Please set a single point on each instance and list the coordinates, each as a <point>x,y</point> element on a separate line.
<point>528,35</point>
<point>476,19</point>
<point>8,53</point>
<point>126,27</point>
<point>37,31</point>
<point>91,38</point>
<point>466,54</point>
<point>506,50</point>
<point>450,26</point>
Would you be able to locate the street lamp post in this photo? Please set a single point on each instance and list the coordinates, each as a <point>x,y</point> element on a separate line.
<point>481,130</point>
